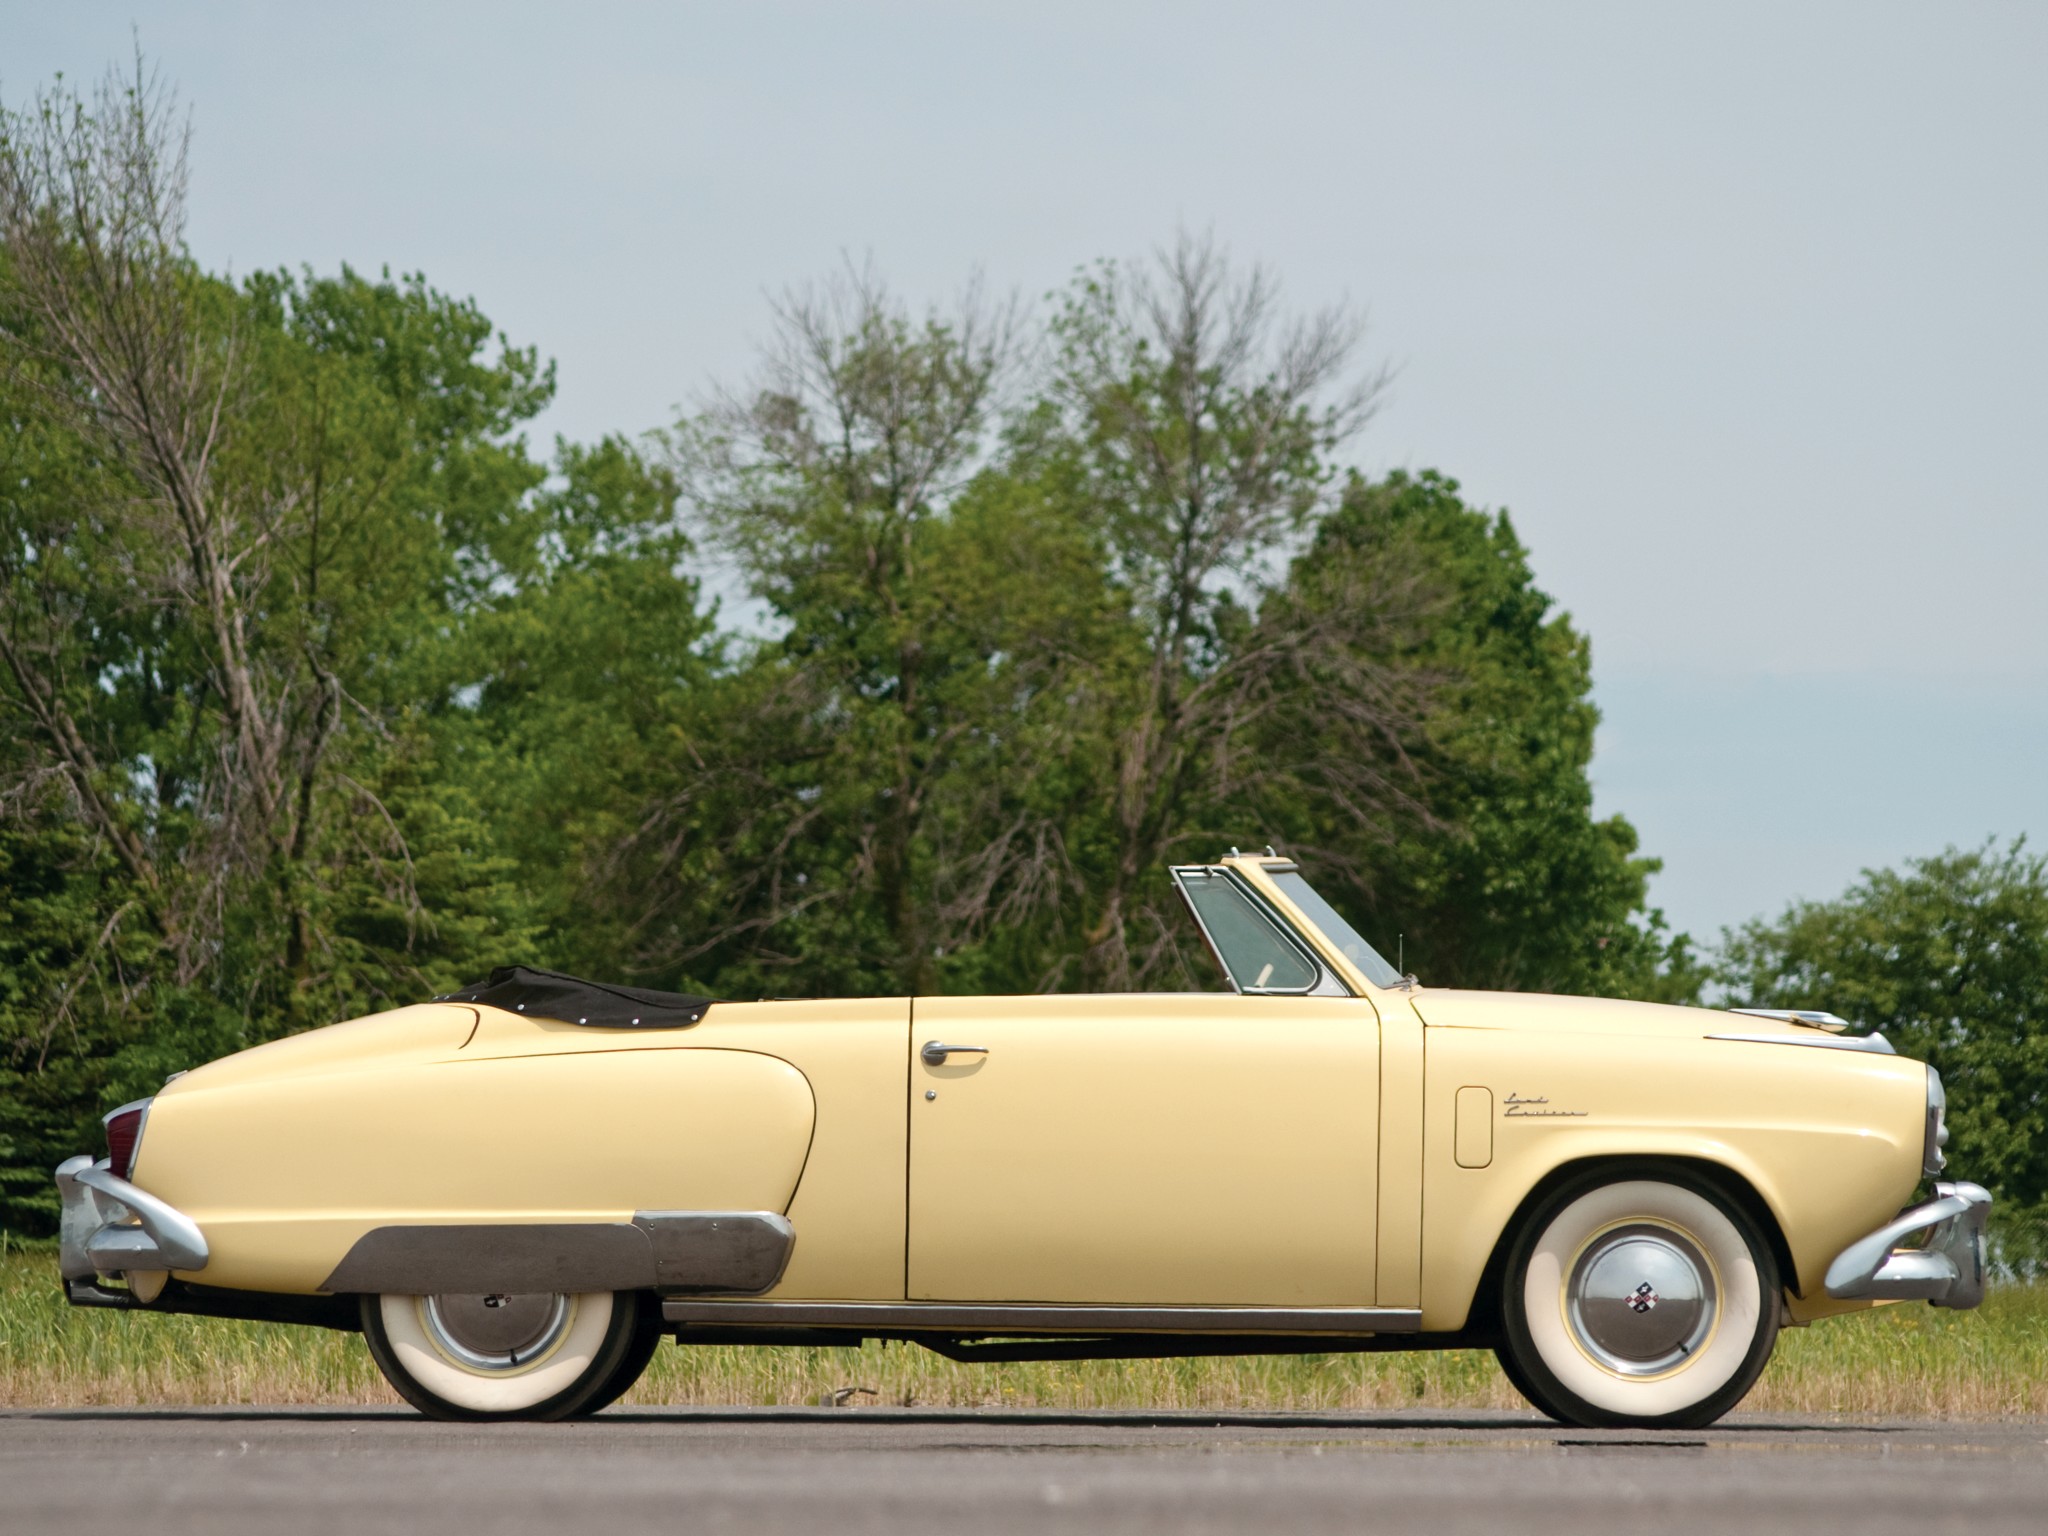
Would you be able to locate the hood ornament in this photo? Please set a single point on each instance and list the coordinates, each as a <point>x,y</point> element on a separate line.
<point>1834,1024</point>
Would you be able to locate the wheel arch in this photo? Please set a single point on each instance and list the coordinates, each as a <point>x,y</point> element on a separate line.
<point>1483,1317</point>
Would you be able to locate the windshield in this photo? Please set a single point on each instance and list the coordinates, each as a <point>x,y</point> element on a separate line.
<point>1340,933</point>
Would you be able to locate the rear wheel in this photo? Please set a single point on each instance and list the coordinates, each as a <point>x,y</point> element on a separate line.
<point>1638,1301</point>
<point>647,1329</point>
<point>531,1356</point>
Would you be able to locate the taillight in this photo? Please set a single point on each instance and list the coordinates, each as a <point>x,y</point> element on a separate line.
<point>124,1133</point>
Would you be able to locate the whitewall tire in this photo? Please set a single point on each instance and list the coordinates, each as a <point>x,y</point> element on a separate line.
<point>1647,1301</point>
<point>502,1356</point>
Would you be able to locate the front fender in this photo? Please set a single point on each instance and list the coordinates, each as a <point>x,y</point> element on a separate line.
<point>1829,1142</point>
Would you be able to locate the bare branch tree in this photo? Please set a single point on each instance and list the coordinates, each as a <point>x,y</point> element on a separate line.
<point>113,337</point>
<point>856,401</point>
<point>818,481</point>
<point>1209,421</point>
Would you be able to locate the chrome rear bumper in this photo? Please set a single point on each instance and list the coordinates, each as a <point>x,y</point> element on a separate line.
<point>110,1227</point>
<point>1947,1272</point>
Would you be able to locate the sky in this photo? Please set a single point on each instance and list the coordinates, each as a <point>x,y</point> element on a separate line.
<point>1737,308</point>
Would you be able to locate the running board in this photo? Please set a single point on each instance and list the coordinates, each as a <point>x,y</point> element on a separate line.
<point>975,1318</point>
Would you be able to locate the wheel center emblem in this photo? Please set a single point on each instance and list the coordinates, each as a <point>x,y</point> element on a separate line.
<point>1644,1298</point>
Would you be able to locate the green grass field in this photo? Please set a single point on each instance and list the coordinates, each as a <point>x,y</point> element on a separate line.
<point>1910,1361</point>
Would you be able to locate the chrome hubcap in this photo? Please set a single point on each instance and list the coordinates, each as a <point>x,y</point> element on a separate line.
<point>497,1332</point>
<point>1641,1299</point>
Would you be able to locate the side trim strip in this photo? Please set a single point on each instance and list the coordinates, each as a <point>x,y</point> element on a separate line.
<point>956,1317</point>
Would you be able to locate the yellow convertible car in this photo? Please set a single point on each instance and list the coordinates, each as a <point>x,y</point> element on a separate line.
<point>516,1190</point>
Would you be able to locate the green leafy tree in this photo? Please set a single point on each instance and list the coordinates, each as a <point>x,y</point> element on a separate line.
<point>320,692</point>
<point>238,528</point>
<point>1502,877</point>
<point>569,697</point>
<point>1948,956</point>
<point>925,620</point>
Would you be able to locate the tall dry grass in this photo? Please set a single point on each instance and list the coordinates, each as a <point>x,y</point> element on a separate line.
<point>1908,1361</point>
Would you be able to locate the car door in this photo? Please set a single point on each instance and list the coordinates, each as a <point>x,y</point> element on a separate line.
<point>1162,1149</point>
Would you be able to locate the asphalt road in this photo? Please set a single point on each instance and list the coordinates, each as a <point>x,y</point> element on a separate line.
<point>305,1473</point>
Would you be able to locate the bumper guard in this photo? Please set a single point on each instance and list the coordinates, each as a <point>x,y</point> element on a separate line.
<point>1947,1272</point>
<point>110,1227</point>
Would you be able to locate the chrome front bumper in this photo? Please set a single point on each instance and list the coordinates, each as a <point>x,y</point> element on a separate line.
<point>110,1227</point>
<point>1947,1272</point>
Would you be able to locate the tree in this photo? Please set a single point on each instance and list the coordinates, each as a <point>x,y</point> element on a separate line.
<point>219,536</point>
<point>320,692</point>
<point>1948,956</point>
<point>927,617</point>
<point>238,528</point>
<point>1503,878</point>
<point>1189,425</point>
<point>569,693</point>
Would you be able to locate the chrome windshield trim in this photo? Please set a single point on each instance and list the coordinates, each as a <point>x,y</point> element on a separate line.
<point>1336,931</point>
<point>1876,1045</point>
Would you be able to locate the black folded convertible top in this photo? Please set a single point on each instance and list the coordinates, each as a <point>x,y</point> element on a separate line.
<point>551,995</point>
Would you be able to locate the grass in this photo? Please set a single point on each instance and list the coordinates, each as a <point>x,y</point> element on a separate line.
<point>1906,1361</point>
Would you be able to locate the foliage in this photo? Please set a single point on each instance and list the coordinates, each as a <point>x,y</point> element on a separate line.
<point>241,529</point>
<point>1507,881</point>
<point>1949,958</point>
<point>321,691</point>
<point>1188,424</point>
<point>918,633</point>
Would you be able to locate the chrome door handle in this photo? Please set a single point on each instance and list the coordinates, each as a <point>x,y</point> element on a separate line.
<point>935,1052</point>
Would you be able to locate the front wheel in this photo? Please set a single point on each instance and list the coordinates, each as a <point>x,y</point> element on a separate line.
<point>1647,1302</point>
<point>503,1356</point>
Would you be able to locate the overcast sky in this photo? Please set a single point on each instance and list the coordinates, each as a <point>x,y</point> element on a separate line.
<point>1739,309</point>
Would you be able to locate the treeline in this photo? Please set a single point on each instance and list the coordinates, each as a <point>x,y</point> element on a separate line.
<point>321,691</point>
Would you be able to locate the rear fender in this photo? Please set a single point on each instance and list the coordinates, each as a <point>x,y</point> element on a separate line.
<point>286,1175</point>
